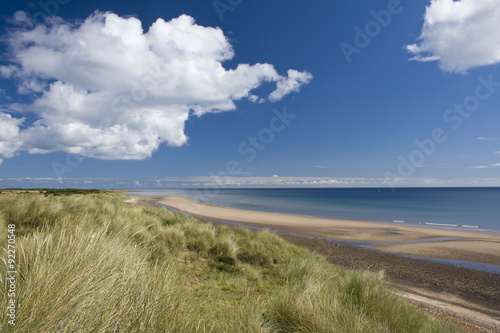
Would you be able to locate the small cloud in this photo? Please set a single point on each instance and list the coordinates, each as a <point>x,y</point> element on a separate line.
<point>21,19</point>
<point>88,181</point>
<point>276,176</point>
<point>421,166</point>
<point>496,164</point>
<point>414,48</point>
<point>242,173</point>
<point>291,83</point>
<point>497,152</point>
<point>480,167</point>
<point>253,98</point>
<point>321,167</point>
<point>483,138</point>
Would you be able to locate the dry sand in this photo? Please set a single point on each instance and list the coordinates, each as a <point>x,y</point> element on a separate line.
<point>472,246</point>
<point>466,297</point>
<point>485,250</point>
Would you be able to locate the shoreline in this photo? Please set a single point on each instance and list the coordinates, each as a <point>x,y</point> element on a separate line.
<point>418,241</point>
<point>462,295</point>
<point>400,214</point>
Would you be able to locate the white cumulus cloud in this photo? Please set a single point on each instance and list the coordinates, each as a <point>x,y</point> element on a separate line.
<point>105,88</point>
<point>291,83</point>
<point>460,34</point>
<point>10,141</point>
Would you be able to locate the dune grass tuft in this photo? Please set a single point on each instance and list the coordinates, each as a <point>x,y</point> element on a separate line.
<point>93,263</point>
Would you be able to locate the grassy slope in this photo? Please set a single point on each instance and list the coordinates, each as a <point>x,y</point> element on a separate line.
<point>92,263</point>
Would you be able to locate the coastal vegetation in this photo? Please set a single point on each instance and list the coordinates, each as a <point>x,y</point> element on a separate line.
<point>50,191</point>
<point>94,263</point>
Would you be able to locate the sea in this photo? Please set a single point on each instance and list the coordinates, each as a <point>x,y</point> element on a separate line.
<point>472,209</point>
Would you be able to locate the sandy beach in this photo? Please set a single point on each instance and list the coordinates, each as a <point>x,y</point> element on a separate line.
<point>458,245</point>
<point>461,295</point>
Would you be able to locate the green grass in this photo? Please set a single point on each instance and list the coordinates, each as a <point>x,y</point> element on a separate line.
<point>51,191</point>
<point>93,263</point>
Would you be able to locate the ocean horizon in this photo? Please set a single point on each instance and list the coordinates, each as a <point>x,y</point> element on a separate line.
<point>473,209</point>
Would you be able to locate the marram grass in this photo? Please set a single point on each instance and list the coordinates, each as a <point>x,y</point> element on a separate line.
<point>93,263</point>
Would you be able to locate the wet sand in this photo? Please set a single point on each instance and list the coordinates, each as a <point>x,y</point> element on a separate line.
<point>486,251</point>
<point>465,297</point>
<point>458,245</point>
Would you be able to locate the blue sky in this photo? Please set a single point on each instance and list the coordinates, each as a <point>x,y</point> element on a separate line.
<point>369,117</point>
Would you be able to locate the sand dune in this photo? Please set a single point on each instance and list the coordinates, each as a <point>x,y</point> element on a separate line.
<point>471,246</point>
